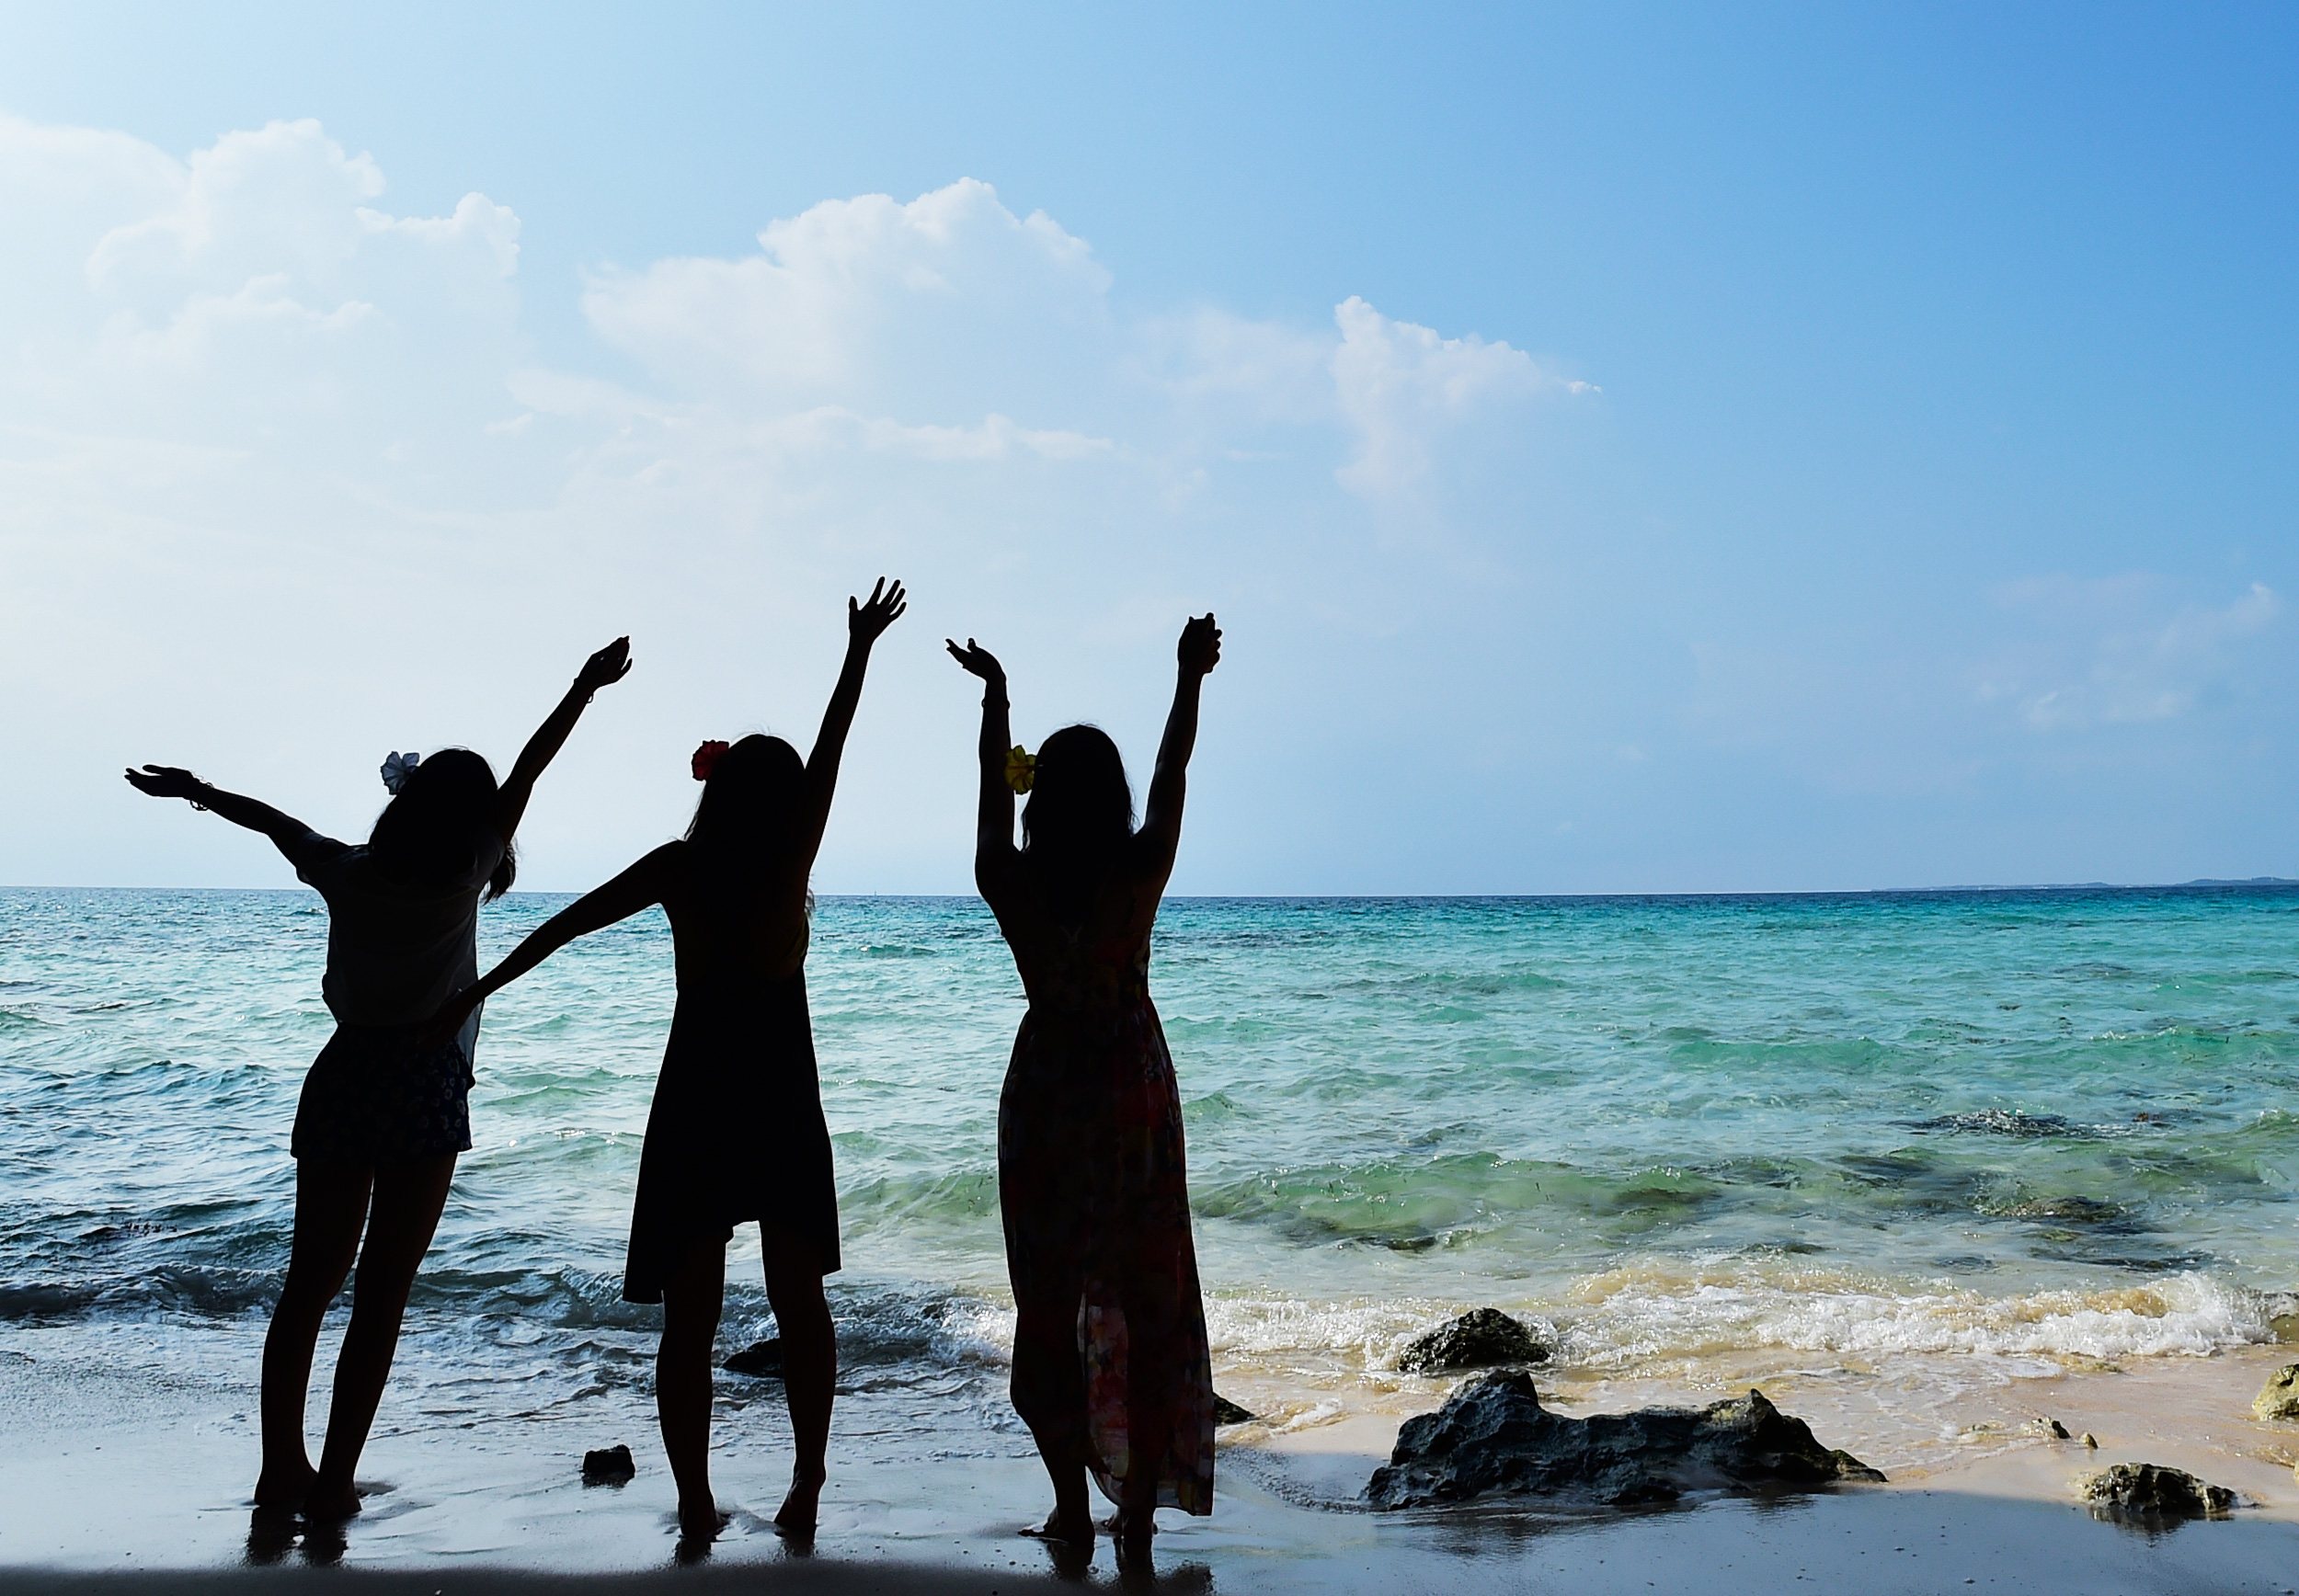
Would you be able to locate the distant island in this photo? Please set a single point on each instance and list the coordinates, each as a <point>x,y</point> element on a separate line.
<point>2107,886</point>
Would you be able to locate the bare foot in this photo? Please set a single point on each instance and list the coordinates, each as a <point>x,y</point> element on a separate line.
<point>700,1519</point>
<point>1132,1533</point>
<point>1073,1529</point>
<point>285,1486</point>
<point>799,1508</point>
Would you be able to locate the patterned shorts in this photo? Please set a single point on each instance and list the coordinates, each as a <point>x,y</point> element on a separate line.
<point>373,1096</point>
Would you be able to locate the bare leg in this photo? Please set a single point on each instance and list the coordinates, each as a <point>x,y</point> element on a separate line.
<point>1150,1369</point>
<point>1049,1393</point>
<point>794,1287</point>
<point>401,1219</point>
<point>330,1210</point>
<point>693,1295</point>
<point>1137,1520</point>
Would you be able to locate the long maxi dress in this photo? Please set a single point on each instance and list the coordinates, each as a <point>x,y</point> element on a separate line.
<point>1093,1191</point>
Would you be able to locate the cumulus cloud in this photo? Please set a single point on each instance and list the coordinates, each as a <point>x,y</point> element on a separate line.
<point>873,319</point>
<point>248,298</point>
<point>256,424</point>
<point>1402,386</point>
<point>948,305</point>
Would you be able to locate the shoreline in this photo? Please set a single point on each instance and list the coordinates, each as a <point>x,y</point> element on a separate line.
<point>496,1507</point>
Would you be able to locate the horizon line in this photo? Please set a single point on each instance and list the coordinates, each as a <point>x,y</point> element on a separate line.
<point>1973,888</point>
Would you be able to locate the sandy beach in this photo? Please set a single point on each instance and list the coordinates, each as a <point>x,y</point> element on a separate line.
<point>134,1477</point>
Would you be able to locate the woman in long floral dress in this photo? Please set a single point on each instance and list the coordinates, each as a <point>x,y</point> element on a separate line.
<point>1111,1369</point>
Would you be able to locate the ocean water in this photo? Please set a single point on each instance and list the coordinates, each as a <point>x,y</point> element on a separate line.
<point>1670,1132</point>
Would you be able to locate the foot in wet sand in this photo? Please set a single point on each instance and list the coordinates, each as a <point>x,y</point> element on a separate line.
<point>285,1488</point>
<point>700,1519</point>
<point>799,1507</point>
<point>1076,1530</point>
<point>1131,1535</point>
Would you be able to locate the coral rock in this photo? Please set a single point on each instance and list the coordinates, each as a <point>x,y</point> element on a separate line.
<point>2153,1491</point>
<point>2280,1398</point>
<point>1494,1435</point>
<point>611,1466</point>
<point>1479,1338</point>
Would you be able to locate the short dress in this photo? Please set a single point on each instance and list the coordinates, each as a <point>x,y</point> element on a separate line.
<point>736,1131</point>
<point>396,953</point>
<point>1093,1189</point>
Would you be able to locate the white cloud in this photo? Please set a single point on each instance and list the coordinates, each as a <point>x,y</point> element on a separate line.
<point>2103,652</point>
<point>930,310</point>
<point>285,200</point>
<point>953,312</point>
<point>1402,386</point>
<point>247,298</point>
<point>281,476</point>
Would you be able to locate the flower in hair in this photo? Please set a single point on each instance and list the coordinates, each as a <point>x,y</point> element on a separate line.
<point>398,769</point>
<point>707,759</point>
<point>1021,769</point>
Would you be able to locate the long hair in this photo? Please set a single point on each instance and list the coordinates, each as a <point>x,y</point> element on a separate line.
<point>434,830</point>
<point>747,808</point>
<point>1079,819</point>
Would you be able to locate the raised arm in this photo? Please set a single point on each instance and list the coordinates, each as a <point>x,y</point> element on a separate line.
<point>1198,652</point>
<point>993,816</point>
<point>865,623</point>
<point>609,666</point>
<point>171,782</point>
<point>619,899</point>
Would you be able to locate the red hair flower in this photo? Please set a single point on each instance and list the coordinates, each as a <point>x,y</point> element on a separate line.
<point>707,759</point>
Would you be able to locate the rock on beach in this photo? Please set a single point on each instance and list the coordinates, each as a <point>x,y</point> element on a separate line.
<point>1492,1435</point>
<point>2150,1490</point>
<point>761,1360</point>
<point>609,1466</point>
<point>1479,1338</point>
<point>2279,1398</point>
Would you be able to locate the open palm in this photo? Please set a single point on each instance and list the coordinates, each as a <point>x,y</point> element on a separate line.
<point>866,620</point>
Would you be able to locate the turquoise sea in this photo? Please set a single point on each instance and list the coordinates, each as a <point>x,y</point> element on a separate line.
<point>1972,1125</point>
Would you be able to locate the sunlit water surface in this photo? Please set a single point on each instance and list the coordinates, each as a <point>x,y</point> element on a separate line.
<point>2019,1124</point>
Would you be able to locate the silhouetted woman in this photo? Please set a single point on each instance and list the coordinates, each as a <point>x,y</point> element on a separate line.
<point>1110,1369</point>
<point>736,1131</point>
<point>382,1114</point>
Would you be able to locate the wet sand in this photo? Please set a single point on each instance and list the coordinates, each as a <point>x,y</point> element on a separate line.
<point>135,1480</point>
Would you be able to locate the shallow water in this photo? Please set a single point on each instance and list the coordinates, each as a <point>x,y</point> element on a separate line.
<point>1669,1131</point>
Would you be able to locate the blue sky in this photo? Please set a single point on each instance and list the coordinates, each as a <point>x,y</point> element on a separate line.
<point>1656,451</point>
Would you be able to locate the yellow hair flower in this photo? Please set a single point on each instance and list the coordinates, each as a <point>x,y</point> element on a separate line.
<point>1020,768</point>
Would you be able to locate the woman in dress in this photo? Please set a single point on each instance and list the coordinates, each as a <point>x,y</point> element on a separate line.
<point>383,1113</point>
<point>736,1132</point>
<point>1110,1369</point>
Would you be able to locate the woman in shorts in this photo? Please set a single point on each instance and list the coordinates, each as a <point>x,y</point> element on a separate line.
<point>382,1116</point>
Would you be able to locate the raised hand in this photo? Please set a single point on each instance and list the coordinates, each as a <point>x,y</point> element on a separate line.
<point>866,620</point>
<point>976,660</point>
<point>606,668</point>
<point>1200,648</point>
<point>164,782</point>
